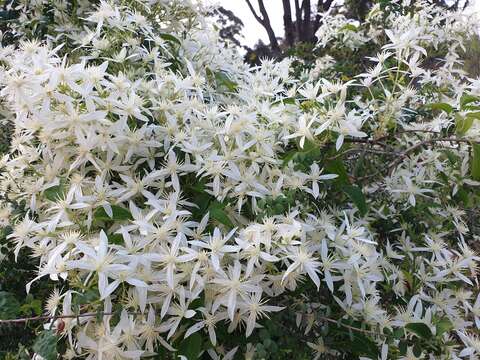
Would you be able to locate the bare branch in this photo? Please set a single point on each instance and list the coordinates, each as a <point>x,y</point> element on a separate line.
<point>265,22</point>
<point>49,317</point>
<point>252,9</point>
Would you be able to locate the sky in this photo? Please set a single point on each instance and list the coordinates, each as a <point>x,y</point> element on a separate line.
<point>253,31</point>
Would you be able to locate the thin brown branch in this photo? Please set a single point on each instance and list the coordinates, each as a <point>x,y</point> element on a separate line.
<point>353,328</point>
<point>401,156</point>
<point>265,22</point>
<point>421,144</point>
<point>49,317</point>
<point>373,151</point>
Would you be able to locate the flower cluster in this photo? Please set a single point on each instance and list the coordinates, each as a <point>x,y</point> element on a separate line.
<point>177,192</point>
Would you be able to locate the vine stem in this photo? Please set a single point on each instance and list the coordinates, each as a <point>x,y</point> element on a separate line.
<point>353,328</point>
<point>91,314</point>
<point>49,317</point>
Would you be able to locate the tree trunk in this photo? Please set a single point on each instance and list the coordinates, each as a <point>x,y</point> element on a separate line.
<point>298,19</point>
<point>288,23</point>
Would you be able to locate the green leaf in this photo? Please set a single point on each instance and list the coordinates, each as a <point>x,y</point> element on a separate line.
<point>9,306</point>
<point>451,156</point>
<point>224,80</point>
<point>474,115</point>
<point>419,329</point>
<point>358,198</point>
<point>191,347</point>
<point>306,155</point>
<point>475,162</point>
<point>217,213</point>
<point>349,27</point>
<point>467,99</point>
<point>443,326</point>
<point>31,305</point>
<point>46,345</point>
<point>288,100</point>
<point>170,38</point>
<point>55,193</point>
<point>362,345</point>
<point>337,167</point>
<point>116,239</point>
<point>441,106</point>
<point>119,214</point>
<point>463,124</point>
<point>398,333</point>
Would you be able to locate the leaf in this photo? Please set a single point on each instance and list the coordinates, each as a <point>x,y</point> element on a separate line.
<point>443,326</point>
<point>419,329</point>
<point>191,347</point>
<point>224,80</point>
<point>285,101</point>
<point>463,124</point>
<point>116,239</point>
<point>474,115</point>
<point>398,333</point>
<point>30,305</point>
<point>356,195</point>
<point>55,193</point>
<point>9,306</point>
<point>306,155</point>
<point>337,167</point>
<point>441,106</point>
<point>46,345</point>
<point>475,162</point>
<point>216,212</point>
<point>467,99</point>
<point>349,27</point>
<point>362,345</point>
<point>288,156</point>
<point>119,214</point>
<point>170,38</point>
<point>451,156</point>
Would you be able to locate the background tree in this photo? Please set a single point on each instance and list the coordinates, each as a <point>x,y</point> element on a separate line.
<point>230,26</point>
<point>302,20</point>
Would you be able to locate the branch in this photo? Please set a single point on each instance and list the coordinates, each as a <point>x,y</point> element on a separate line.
<point>265,22</point>
<point>333,321</point>
<point>412,148</point>
<point>322,7</point>
<point>401,156</point>
<point>268,26</point>
<point>252,9</point>
<point>49,317</point>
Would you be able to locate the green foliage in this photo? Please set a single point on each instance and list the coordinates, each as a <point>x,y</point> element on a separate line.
<point>475,165</point>
<point>419,329</point>
<point>118,214</point>
<point>46,345</point>
<point>222,80</point>
<point>357,197</point>
<point>217,212</point>
<point>55,193</point>
<point>9,306</point>
<point>191,347</point>
<point>442,106</point>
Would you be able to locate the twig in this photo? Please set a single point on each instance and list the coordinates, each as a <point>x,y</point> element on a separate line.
<point>373,151</point>
<point>412,148</point>
<point>49,317</point>
<point>333,321</point>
